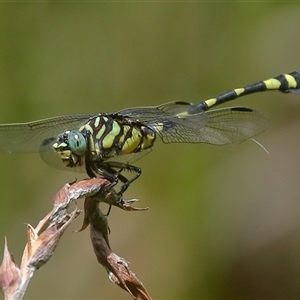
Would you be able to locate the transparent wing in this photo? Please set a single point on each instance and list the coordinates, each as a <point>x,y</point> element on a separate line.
<point>169,113</point>
<point>35,136</point>
<point>29,137</point>
<point>129,158</point>
<point>218,127</point>
<point>152,112</point>
<point>174,122</point>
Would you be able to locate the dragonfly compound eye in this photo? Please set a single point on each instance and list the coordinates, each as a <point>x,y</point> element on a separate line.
<point>77,142</point>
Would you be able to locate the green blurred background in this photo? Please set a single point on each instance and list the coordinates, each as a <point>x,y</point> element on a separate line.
<point>224,223</point>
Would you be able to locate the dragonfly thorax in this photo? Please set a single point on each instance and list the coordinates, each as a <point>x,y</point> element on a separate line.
<point>108,136</point>
<point>71,146</point>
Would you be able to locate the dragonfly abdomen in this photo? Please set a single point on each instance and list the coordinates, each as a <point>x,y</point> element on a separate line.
<point>286,83</point>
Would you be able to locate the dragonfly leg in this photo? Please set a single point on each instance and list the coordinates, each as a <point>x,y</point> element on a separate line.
<point>112,172</point>
<point>127,183</point>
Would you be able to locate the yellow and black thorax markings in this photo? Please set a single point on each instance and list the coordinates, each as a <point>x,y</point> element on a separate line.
<point>112,134</point>
<point>285,83</point>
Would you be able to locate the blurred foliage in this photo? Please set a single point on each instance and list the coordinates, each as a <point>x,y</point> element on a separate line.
<point>223,222</point>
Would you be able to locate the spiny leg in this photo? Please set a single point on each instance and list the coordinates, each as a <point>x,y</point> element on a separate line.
<point>118,176</point>
<point>112,172</point>
<point>122,167</point>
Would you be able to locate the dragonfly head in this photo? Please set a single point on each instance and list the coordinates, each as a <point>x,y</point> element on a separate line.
<point>71,146</point>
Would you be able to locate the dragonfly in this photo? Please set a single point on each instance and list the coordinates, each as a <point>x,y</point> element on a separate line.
<point>106,144</point>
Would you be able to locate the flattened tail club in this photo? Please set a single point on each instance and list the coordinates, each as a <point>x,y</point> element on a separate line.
<point>285,83</point>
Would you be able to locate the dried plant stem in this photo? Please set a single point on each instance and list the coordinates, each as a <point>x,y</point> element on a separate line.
<point>43,239</point>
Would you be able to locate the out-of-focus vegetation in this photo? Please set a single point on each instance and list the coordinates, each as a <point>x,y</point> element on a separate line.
<point>223,222</point>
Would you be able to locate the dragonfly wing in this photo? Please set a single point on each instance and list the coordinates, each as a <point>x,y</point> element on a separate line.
<point>234,125</point>
<point>35,136</point>
<point>129,158</point>
<point>53,160</point>
<point>152,112</point>
<point>227,126</point>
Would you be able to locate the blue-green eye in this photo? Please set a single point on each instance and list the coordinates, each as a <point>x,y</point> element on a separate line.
<point>77,142</point>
